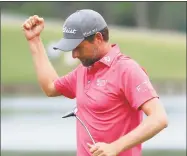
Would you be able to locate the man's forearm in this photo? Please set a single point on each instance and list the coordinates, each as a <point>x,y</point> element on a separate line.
<point>146,130</point>
<point>45,72</point>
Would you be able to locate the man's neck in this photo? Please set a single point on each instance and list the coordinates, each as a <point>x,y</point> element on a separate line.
<point>107,47</point>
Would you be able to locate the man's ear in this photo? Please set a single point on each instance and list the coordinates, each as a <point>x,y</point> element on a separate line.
<point>99,37</point>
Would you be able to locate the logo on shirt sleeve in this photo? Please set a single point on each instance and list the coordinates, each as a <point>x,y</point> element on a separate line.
<point>143,87</point>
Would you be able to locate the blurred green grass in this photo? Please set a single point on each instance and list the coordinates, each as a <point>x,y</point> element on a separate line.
<point>163,58</point>
<point>145,153</point>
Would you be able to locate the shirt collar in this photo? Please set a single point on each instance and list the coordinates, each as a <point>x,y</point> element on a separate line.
<point>110,56</point>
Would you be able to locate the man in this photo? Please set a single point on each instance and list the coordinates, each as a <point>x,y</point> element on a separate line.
<point>112,91</point>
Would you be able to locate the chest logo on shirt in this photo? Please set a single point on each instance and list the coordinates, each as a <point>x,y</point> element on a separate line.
<point>101,82</point>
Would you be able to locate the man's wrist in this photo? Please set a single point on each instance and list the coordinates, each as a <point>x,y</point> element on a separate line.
<point>36,46</point>
<point>118,146</point>
<point>34,40</point>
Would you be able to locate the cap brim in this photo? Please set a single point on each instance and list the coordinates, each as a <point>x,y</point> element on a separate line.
<point>67,44</point>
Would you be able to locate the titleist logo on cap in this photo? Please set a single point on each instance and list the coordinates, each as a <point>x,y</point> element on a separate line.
<point>69,30</point>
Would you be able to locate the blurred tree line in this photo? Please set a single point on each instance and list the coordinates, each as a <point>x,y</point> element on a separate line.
<point>154,15</point>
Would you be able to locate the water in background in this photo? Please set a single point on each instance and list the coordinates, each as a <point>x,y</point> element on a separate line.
<point>35,123</point>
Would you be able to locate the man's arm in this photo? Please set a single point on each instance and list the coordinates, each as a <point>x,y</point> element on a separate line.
<point>46,74</point>
<point>44,70</point>
<point>155,121</point>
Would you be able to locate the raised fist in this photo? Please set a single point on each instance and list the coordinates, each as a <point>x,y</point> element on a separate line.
<point>32,27</point>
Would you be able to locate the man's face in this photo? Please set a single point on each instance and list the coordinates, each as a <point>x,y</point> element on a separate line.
<point>88,52</point>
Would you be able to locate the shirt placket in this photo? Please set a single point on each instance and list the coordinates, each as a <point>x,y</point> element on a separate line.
<point>89,79</point>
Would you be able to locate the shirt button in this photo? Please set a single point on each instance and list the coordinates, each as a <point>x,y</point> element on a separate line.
<point>89,81</point>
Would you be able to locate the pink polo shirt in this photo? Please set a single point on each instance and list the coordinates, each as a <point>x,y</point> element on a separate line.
<point>108,96</point>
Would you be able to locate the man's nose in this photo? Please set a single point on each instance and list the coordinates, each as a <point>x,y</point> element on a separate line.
<point>75,54</point>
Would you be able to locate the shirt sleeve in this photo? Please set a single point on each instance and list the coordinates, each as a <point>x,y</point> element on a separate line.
<point>136,85</point>
<point>66,85</point>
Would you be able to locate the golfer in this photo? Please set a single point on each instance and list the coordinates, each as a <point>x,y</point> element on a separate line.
<point>112,91</point>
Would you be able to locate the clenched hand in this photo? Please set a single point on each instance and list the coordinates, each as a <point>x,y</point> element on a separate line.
<point>33,26</point>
